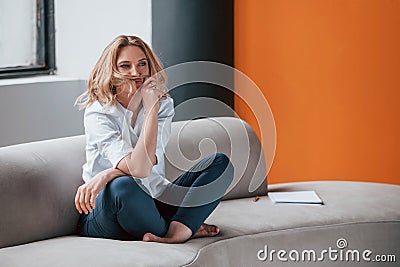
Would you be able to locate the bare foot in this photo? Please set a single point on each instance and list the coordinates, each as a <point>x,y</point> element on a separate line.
<point>177,233</point>
<point>206,230</point>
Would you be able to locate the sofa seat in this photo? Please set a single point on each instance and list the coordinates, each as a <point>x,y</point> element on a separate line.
<point>366,215</point>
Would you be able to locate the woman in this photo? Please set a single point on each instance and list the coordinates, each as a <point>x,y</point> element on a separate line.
<point>127,122</point>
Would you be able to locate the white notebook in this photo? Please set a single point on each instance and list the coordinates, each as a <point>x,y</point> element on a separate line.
<point>297,197</point>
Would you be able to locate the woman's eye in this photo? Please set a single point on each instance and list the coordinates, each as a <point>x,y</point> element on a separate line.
<point>142,64</point>
<point>125,66</point>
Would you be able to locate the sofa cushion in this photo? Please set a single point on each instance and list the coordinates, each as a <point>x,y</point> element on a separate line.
<point>367,215</point>
<point>193,140</point>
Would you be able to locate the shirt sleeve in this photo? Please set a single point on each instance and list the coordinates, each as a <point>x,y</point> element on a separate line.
<point>102,132</point>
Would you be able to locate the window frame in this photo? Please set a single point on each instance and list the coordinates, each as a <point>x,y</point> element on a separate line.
<point>45,51</point>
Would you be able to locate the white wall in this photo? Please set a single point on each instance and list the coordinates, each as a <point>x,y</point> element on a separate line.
<point>84,28</point>
<point>39,108</point>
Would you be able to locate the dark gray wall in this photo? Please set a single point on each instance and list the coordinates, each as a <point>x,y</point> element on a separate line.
<point>39,111</point>
<point>195,30</point>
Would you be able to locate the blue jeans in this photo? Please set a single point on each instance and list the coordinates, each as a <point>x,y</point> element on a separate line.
<point>125,212</point>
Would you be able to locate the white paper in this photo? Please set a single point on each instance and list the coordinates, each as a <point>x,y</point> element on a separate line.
<point>297,197</point>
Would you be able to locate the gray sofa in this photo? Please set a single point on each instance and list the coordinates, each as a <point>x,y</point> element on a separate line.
<point>38,219</point>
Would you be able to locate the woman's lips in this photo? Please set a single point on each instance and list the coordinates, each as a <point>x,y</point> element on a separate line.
<point>139,83</point>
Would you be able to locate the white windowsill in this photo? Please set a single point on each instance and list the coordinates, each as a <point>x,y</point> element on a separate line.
<point>36,79</point>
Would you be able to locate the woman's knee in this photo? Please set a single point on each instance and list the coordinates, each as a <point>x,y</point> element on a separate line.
<point>225,167</point>
<point>124,186</point>
<point>221,158</point>
<point>120,183</point>
<point>224,161</point>
<point>124,193</point>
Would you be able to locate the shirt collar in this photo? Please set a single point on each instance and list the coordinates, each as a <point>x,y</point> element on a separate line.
<point>115,110</point>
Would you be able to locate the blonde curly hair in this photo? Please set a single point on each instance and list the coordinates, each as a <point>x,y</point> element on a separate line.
<point>105,75</point>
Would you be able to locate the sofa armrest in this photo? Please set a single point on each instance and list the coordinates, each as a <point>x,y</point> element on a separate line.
<point>38,182</point>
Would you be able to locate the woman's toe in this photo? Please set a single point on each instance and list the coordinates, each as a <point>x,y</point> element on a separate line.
<point>149,237</point>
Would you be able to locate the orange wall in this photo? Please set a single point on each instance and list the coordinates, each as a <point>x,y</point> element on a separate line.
<point>330,71</point>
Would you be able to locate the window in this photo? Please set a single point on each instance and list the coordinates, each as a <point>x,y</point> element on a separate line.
<point>26,38</point>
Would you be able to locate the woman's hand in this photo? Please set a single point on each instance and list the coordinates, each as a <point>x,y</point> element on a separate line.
<point>85,198</point>
<point>151,94</point>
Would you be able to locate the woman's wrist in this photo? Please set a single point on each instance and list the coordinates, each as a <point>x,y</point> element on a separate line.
<point>152,110</point>
<point>110,174</point>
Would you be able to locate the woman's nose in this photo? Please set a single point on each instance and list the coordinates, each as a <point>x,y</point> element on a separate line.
<point>133,71</point>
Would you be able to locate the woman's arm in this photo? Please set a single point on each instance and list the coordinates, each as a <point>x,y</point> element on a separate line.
<point>141,160</point>
<point>85,198</point>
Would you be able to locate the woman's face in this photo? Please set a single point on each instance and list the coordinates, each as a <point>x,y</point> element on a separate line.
<point>132,61</point>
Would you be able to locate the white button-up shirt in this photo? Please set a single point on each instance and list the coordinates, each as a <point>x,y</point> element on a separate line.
<point>110,137</point>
